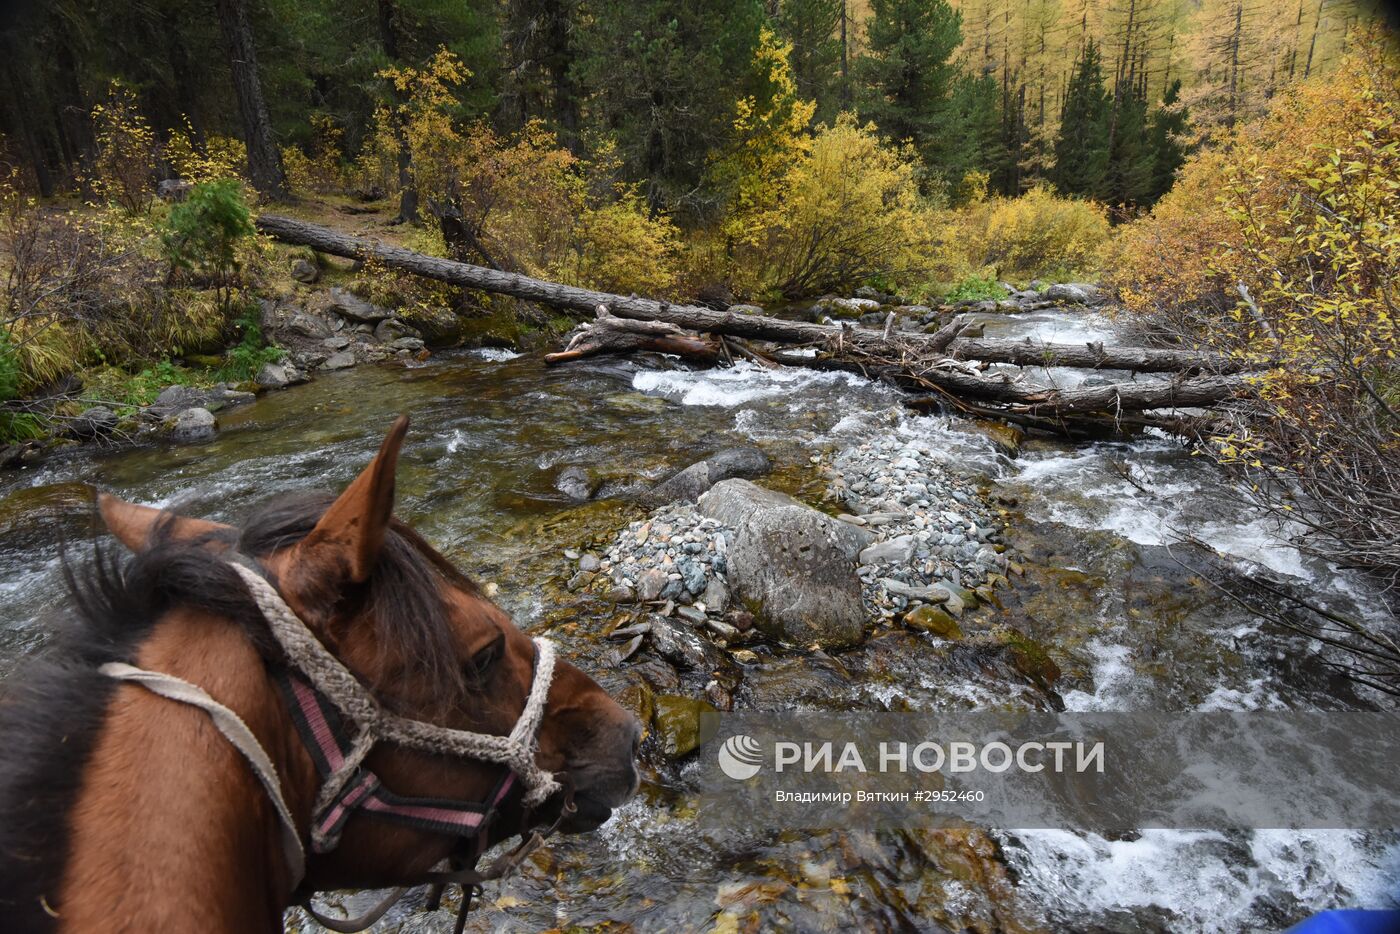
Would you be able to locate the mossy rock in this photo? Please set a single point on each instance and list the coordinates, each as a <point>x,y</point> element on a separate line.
<point>683,723</point>
<point>934,620</point>
<point>1026,655</point>
<point>639,699</point>
<point>1006,438</point>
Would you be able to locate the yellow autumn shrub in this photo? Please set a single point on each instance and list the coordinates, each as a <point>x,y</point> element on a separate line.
<point>1038,235</point>
<point>1282,251</point>
<point>217,157</point>
<point>124,167</point>
<point>850,212</point>
<point>519,201</point>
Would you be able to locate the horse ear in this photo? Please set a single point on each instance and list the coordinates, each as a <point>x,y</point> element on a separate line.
<point>351,534</point>
<point>135,526</point>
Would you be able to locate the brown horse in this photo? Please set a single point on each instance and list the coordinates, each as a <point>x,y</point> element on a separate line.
<point>122,810</point>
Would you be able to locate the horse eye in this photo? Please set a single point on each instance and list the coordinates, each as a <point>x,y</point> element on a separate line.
<point>483,660</point>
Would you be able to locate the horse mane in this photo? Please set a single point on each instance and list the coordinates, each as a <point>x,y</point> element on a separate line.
<point>51,716</point>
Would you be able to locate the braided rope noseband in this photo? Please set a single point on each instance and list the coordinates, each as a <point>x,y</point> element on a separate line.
<point>342,690</point>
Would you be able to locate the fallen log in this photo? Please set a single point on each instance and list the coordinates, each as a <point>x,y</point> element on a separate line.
<point>927,362</point>
<point>611,334</point>
<point>753,327</point>
<point>1090,356</point>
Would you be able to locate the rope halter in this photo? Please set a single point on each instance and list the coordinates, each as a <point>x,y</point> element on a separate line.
<point>340,721</point>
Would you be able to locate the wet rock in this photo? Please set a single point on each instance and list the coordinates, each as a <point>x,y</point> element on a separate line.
<point>851,307</point>
<point>690,483</point>
<point>745,309</point>
<point>929,594</point>
<point>580,580</point>
<point>691,615</point>
<point>342,360</point>
<point>175,399</point>
<point>1024,654</point>
<point>681,645</point>
<point>1006,438</point>
<point>897,550</point>
<point>650,584</point>
<point>1075,293</point>
<point>309,325</point>
<point>94,422</point>
<point>589,563</point>
<point>336,342</point>
<point>573,481</point>
<point>392,329</point>
<point>693,577</point>
<point>192,425</point>
<point>349,305</point>
<point>409,344</point>
<point>792,565</point>
<point>716,596</point>
<point>932,619</point>
<point>279,375</point>
<point>304,271</point>
<point>683,723</point>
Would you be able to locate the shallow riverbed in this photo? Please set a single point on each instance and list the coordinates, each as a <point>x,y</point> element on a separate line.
<point>1104,592</point>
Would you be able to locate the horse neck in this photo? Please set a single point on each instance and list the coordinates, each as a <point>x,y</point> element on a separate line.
<point>171,829</point>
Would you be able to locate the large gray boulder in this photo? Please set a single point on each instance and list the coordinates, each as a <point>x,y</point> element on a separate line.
<point>349,305</point>
<point>688,484</point>
<point>94,422</point>
<point>790,565</point>
<point>1075,293</point>
<point>279,375</point>
<point>192,425</point>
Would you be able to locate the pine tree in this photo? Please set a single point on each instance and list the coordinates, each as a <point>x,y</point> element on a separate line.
<point>1081,149</point>
<point>264,160</point>
<point>1169,122</point>
<point>812,27</point>
<point>970,141</point>
<point>1131,158</point>
<point>654,73</point>
<point>906,75</point>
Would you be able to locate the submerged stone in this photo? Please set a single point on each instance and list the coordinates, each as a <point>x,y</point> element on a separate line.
<point>934,620</point>
<point>683,723</point>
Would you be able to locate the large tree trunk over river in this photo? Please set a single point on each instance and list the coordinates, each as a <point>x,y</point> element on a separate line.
<point>931,362</point>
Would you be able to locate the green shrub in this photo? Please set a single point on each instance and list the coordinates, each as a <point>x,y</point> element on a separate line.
<point>975,287</point>
<point>244,359</point>
<point>202,233</point>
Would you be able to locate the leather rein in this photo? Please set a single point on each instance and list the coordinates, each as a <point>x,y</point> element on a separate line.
<point>340,721</point>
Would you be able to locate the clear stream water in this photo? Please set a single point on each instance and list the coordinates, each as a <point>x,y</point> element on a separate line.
<point>1103,592</point>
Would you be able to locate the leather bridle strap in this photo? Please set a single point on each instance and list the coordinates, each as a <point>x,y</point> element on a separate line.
<point>237,733</point>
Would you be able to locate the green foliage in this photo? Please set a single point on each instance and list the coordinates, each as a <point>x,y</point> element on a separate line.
<point>811,27</point>
<point>1081,149</point>
<point>1166,142</point>
<point>907,74</point>
<point>975,288</point>
<point>655,70</point>
<point>9,368</point>
<point>202,233</point>
<point>246,358</point>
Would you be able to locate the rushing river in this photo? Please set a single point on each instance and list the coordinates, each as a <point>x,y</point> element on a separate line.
<point>1104,592</point>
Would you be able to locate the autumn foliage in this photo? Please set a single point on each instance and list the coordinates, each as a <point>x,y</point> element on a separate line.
<point>1283,250</point>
